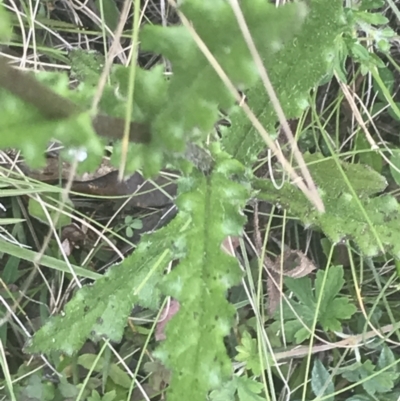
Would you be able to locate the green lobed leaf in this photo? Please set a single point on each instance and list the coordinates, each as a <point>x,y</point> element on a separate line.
<point>339,309</point>
<point>67,389</point>
<point>249,390</point>
<point>381,383</point>
<point>329,292</point>
<point>195,92</point>
<point>303,291</point>
<point>109,396</point>
<point>194,348</point>
<point>343,217</point>
<point>321,381</point>
<point>332,311</point>
<point>116,374</point>
<point>328,176</point>
<point>248,353</point>
<point>294,70</point>
<point>294,329</point>
<point>103,308</point>
<point>37,390</point>
<point>225,393</point>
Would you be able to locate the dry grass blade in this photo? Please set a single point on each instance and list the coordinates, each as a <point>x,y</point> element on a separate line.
<point>349,342</point>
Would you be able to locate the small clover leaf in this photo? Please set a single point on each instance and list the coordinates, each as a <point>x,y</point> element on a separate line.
<point>132,225</point>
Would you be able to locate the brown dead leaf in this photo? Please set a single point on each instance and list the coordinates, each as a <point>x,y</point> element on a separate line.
<point>293,263</point>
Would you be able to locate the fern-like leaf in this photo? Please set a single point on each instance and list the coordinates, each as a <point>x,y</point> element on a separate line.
<point>371,222</point>
<point>177,109</point>
<point>194,347</point>
<point>101,310</point>
<point>294,70</point>
<point>196,93</point>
